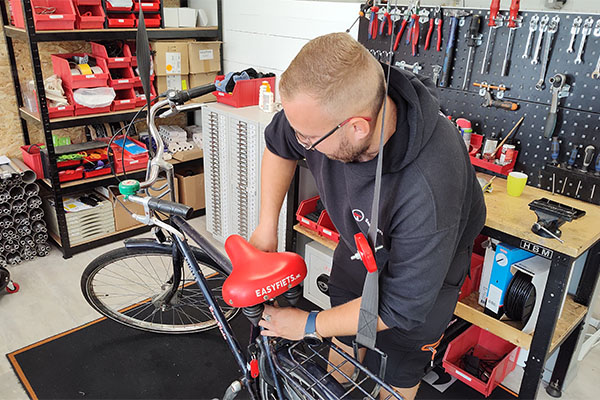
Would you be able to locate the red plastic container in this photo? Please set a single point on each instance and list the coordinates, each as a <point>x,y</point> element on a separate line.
<point>70,174</point>
<point>61,111</point>
<point>152,20</point>
<point>33,159</point>
<point>120,20</point>
<point>96,172</point>
<point>484,346</point>
<point>126,80</point>
<point>125,100</point>
<point>140,101</point>
<point>148,5</point>
<point>90,17</point>
<point>129,51</point>
<point>83,110</point>
<point>109,7</point>
<point>87,2</point>
<point>245,93</point>
<point>476,141</point>
<point>61,67</point>
<point>306,207</point>
<point>472,283</point>
<point>132,163</point>
<point>99,51</point>
<point>62,19</point>
<point>326,228</point>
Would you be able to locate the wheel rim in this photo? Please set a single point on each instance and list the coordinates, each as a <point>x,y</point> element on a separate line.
<point>131,289</point>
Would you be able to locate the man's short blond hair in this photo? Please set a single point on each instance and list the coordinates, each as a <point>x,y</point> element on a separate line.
<point>339,72</point>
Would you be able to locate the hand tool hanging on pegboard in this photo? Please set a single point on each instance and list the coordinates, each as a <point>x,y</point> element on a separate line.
<point>596,72</point>
<point>494,22</point>
<point>560,88</point>
<point>585,32</point>
<point>533,26</point>
<point>485,90</point>
<point>549,41</point>
<point>473,40</point>
<point>455,15</point>
<point>405,18</point>
<point>514,23</point>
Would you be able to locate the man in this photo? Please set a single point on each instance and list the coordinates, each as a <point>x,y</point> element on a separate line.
<point>431,205</point>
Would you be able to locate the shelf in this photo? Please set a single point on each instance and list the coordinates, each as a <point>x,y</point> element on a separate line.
<point>314,236</point>
<point>81,120</point>
<point>470,310</point>
<point>210,32</point>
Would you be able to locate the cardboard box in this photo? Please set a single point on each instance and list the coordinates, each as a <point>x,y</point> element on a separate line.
<point>203,79</point>
<point>171,57</point>
<point>194,154</point>
<point>122,218</point>
<point>204,57</point>
<point>171,82</point>
<point>191,188</point>
<point>171,17</point>
<point>187,17</point>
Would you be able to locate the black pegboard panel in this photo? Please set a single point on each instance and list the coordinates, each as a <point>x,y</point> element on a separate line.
<point>579,113</point>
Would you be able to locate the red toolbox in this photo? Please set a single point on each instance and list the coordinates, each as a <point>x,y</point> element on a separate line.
<point>62,68</point>
<point>245,93</point>
<point>472,282</point>
<point>326,228</point>
<point>121,78</point>
<point>125,100</point>
<point>120,20</point>
<point>62,16</point>
<point>33,159</point>
<point>90,17</point>
<point>99,51</point>
<point>148,5</point>
<point>476,142</point>
<point>306,207</point>
<point>487,347</point>
<point>140,98</point>
<point>152,20</point>
<point>109,7</point>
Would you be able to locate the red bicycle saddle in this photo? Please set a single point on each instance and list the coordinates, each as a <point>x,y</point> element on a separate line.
<point>257,275</point>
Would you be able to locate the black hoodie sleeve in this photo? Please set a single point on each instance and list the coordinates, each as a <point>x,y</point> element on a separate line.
<point>281,140</point>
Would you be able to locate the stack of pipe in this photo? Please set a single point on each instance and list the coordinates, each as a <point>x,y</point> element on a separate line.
<point>23,232</point>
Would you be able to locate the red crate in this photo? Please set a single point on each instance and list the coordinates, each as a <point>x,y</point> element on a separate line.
<point>61,67</point>
<point>125,100</point>
<point>472,283</point>
<point>326,228</point>
<point>129,51</point>
<point>132,163</point>
<point>147,5</point>
<point>120,20</point>
<point>99,51</point>
<point>152,20</point>
<point>245,93</point>
<point>83,110</point>
<point>90,17</point>
<point>96,172</point>
<point>33,159</point>
<point>484,346</point>
<point>126,80</point>
<point>70,174</point>
<point>87,2</point>
<point>61,111</point>
<point>140,101</point>
<point>306,207</point>
<point>476,141</point>
<point>109,7</point>
<point>62,19</point>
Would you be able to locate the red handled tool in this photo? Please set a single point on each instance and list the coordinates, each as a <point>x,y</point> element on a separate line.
<point>373,22</point>
<point>386,20</point>
<point>494,22</point>
<point>415,34</point>
<point>514,22</point>
<point>402,26</point>
<point>438,23</point>
<point>429,32</point>
<point>411,25</point>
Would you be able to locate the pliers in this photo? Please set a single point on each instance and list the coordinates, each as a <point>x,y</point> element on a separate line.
<point>386,18</point>
<point>437,15</point>
<point>405,19</point>
<point>373,22</point>
<point>415,34</point>
<point>430,31</point>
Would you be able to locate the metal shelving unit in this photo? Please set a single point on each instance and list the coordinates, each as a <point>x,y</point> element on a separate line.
<point>32,40</point>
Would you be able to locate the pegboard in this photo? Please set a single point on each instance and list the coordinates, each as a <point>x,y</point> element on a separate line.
<point>578,114</point>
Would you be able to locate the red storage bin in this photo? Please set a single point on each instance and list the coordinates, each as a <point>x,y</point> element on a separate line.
<point>120,20</point>
<point>61,67</point>
<point>129,51</point>
<point>326,228</point>
<point>109,7</point>
<point>125,100</point>
<point>245,93</point>
<point>33,159</point>
<point>476,141</point>
<point>152,6</point>
<point>96,172</point>
<point>70,174</point>
<point>90,17</point>
<point>485,346</point>
<point>306,207</point>
<point>83,110</point>
<point>123,78</point>
<point>152,20</point>
<point>61,19</point>
<point>99,51</point>
<point>61,111</point>
<point>140,100</point>
<point>472,283</point>
<point>87,2</point>
<point>131,162</point>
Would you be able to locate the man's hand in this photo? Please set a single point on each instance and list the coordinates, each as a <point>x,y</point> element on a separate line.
<point>286,322</point>
<point>264,238</point>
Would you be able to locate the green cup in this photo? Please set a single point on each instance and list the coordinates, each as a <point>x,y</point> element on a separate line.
<point>516,183</point>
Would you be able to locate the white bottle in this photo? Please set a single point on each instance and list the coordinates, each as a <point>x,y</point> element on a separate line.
<point>261,91</point>
<point>268,100</point>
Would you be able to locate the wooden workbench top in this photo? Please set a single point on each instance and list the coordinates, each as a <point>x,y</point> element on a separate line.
<point>512,215</point>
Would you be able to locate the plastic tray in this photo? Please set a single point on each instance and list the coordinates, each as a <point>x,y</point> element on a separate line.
<point>484,346</point>
<point>126,81</point>
<point>476,141</point>
<point>109,7</point>
<point>70,174</point>
<point>99,50</point>
<point>152,20</point>
<point>94,21</point>
<point>151,6</point>
<point>326,228</point>
<point>125,100</point>
<point>60,64</point>
<point>120,20</point>
<point>62,19</point>
<point>245,93</point>
<point>33,159</point>
<point>87,2</point>
<point>96,172</point>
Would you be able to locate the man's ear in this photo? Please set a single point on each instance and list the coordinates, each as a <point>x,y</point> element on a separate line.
<point>360,128</point>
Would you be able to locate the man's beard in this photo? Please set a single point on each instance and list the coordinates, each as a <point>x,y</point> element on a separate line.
<point>348,153</point>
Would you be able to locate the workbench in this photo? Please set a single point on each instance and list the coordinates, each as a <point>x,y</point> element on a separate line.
<point>509,220</point>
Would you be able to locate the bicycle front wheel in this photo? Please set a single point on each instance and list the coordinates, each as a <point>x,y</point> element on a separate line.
<point>131,286</point>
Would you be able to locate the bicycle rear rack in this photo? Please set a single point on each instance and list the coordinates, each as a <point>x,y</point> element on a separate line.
<point>299,357</point>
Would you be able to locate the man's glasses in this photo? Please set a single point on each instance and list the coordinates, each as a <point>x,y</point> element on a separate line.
<point>306,143</point>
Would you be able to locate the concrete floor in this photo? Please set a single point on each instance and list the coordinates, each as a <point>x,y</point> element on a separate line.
<point>50,302</point>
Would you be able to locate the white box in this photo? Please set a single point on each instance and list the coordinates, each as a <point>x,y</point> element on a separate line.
<point>187,17</point>
<point>171,17</point>
<point>319,260</point>
<point>486,272</point>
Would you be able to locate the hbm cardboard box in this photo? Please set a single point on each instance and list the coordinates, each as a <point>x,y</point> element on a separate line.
<point>200,80</point>
<point>191,187</point>
<point>204,57</point>
<point>171,57</point>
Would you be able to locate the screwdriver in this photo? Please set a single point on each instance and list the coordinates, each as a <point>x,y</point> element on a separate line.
<point>597,166</point>
<point>573,157</point>
<point>555,150</point>
<point>588,156</point>
<point>473,41</point>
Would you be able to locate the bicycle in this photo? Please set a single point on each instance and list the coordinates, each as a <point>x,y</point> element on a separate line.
<point>144,285</point>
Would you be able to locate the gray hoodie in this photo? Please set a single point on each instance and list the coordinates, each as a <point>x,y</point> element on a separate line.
<point>431,209</point>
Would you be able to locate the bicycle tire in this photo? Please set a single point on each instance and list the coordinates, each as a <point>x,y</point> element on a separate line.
<point>126,285</point>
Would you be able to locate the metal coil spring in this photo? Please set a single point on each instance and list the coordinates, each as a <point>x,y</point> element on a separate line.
<point>215,172</point>
<point>242,159</point>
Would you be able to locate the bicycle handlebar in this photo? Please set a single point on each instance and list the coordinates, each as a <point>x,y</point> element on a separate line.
<point>170,208</point>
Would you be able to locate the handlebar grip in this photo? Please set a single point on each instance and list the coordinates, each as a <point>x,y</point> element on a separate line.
<point>170,208</point>
<point>182,96</point>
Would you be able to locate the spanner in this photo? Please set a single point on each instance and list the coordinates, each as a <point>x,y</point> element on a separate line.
<point>437,69</point>
<point>585,32</point>
<point>552,29</point>
<point>538,46</point>
<point>533,25</point>
<point>575,29</point>
<point>596,73</point>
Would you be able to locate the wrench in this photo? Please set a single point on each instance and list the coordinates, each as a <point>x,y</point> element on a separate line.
<point>552,29</point>
<point>559,89</point>
<point>585,32</point>
<point>533,25</point>
<point>575,29</point>
<point>437,69</point>
<point>596,73</point>
<point>538,46</point>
